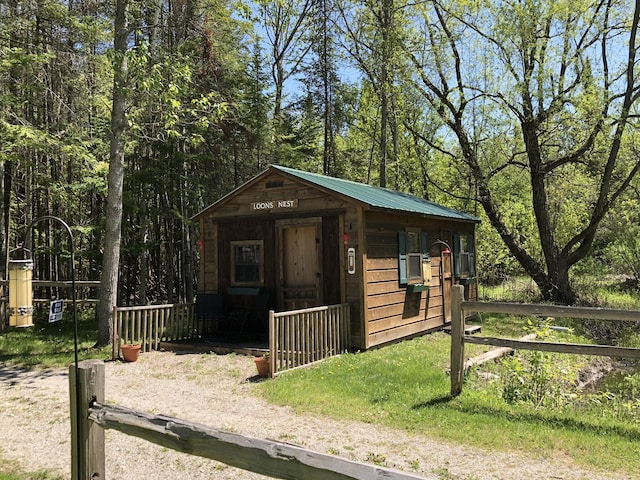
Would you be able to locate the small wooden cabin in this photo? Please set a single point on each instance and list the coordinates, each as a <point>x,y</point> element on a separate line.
<point>304,240</point>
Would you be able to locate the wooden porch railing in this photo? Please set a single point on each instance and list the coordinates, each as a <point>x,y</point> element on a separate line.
<point>301,337</point>
<point>151,324</point>
<point>296,338</point>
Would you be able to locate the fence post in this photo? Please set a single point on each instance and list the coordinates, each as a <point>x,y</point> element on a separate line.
<point>115,334</point>
<point>457,343</point>
<point>87,438</point>
<point>272,344</point>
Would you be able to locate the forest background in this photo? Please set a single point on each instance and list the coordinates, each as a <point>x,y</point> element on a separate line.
<point>523,113</point>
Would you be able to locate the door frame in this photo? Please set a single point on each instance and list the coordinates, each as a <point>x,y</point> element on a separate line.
<point>281,225</point>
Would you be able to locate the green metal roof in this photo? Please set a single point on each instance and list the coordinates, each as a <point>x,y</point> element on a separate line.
<point>378,197</point>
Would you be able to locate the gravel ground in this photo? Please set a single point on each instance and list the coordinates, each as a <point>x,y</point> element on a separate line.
<point>218,391</point>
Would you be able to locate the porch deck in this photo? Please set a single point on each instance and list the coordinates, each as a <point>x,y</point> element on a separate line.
<point>255,348</point>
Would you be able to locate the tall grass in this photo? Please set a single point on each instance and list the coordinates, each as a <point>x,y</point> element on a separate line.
<point>607,291</point>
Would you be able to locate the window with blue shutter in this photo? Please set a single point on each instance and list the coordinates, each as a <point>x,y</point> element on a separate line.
<point>413,255</point>
<point>464,256</point>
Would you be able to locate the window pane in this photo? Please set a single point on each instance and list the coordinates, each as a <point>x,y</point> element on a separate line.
<point>247,254</point>
<point>464,263</point>
<point>247,273</point>
<point>415,267</point>
<point>413,242</point>
<point>464,244</point>
<point>246,263</point>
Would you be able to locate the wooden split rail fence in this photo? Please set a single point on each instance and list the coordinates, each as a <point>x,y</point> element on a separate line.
<point>460,308</point>
<point>302,337</point>
<point>90,416</point>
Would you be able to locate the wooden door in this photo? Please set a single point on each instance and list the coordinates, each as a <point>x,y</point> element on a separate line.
<point>446,256</point>
<point>300,266</point>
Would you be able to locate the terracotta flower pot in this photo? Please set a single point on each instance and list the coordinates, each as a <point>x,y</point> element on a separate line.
<point>130,353</point>
<point>262,364</point>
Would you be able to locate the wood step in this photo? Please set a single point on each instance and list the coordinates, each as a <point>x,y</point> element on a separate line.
<point>468,329</point>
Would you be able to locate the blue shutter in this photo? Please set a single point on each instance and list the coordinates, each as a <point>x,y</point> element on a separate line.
<point>424,242</point>
<point>472,256</point>
<point>456,255</point>
<point>402,257</point>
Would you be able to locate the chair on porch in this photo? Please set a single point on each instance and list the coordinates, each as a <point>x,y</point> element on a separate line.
<point>210,313</point>
<point>246,307</point>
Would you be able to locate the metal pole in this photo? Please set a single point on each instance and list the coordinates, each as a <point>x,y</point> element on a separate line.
<point>75,323</point>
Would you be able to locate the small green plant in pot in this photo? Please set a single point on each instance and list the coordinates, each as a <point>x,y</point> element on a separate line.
<point>263,365</point>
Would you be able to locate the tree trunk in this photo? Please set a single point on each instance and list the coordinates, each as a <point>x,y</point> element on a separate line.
<point>111,254</point>
<point>5,194</point>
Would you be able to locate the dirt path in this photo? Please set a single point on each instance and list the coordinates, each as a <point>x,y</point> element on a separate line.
<point>217,391</point>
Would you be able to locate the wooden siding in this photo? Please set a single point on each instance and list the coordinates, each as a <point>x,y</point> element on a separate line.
<point>353,282</point>
<point>208,255</point>
<point>247,229</point>
<point>332,260</point>
<point>392,312</point>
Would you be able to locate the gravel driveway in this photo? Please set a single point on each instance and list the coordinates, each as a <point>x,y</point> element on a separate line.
<point>219,391</point>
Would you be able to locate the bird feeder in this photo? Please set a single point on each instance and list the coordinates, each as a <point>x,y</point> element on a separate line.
<point>20,293</point>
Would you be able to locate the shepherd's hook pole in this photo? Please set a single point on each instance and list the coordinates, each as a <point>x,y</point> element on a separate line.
<point>75,323</point>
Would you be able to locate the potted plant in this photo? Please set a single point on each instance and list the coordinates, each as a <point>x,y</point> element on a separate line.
<point>130,352</point>
<point>263,365</point>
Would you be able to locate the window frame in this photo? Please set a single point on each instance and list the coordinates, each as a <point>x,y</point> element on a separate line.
<point>408,251</point>
<point>251,243</point>
<point>414,253</point>
<point>464,250</point>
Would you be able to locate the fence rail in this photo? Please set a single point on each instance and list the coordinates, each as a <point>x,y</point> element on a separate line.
<point>90,416</point>
<point>302,337</point>
<point>46,290</point>
<point>459,309</point>
<point>149,325</point>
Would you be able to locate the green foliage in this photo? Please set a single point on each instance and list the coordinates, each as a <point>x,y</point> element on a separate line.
<point>202,100</point>
<point>623,251</point>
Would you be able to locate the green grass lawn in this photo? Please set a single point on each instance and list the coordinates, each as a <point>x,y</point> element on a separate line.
<point>51,345</point>
<point>406,386</point>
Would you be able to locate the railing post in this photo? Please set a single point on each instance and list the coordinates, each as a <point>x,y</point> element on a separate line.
<point>457,342</point>
<point>87,438</point>
<point>272,344</point>
<point>115,333</point>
